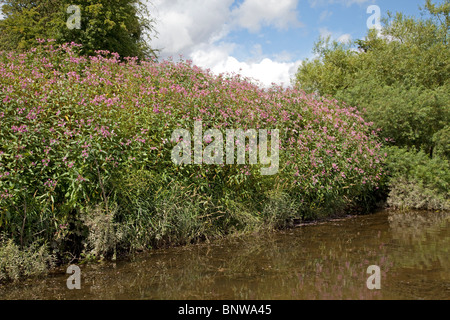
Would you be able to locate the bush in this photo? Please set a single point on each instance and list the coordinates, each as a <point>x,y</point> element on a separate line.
<point>95,132</point>
<point>442,141</point>
<point>16,263</point>
<point>398,77</point>
<point>410,194</point>
<point>161,215</point>
<point>417,181</point>
<point>105,234</point>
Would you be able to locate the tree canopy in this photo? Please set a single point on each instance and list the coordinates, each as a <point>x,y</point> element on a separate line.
<point>121,26</point>
<point>399,77</point>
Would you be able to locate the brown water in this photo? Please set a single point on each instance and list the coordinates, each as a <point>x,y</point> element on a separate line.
<point>324,261</point>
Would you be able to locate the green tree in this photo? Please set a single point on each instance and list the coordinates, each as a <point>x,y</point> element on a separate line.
<point>399,77</point>
<point>121,26</point>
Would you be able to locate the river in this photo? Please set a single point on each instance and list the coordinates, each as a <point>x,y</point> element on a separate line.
<point>327,260</point>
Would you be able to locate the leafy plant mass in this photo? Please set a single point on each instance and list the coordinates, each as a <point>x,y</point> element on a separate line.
<point>121,26</point>
<point>398,77</point>
<point>105,151</point>
<point>83,137</point>
<point>214,152</point>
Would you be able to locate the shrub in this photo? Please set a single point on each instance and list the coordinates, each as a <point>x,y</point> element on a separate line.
<point>105,234</point>
<point>417,181</point>
<point>442,141</point>
<point>16,263</point>
<point>95,132</point>
<point>410,194</point>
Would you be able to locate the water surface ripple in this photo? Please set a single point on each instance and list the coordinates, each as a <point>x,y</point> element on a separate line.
<point>322,261</point>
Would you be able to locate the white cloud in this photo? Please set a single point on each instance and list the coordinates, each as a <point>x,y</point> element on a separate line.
<point>183,24</point>
<point>265,72</point>
<point>197,30</point>
<point>347,3</point>
<point>175,35</point>
<point>325,33</point>
<point>343,38</point>
<point>325,15</point>
<point>209,56</point>
<point>254,14</point>
<point>284,56</point>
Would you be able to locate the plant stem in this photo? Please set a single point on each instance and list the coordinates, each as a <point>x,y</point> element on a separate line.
<point>23,223</point>
<point>102,187</point>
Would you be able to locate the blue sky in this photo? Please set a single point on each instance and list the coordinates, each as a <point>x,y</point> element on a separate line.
<point>266,40</point>
<point>263,39</point>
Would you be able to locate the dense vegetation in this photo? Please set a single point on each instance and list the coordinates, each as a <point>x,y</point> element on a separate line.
<point>399,79</point>
<point>121,26</point>
<point>86,130</point>
<point>85,154</point>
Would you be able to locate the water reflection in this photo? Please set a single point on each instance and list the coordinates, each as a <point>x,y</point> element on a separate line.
<point>324,261</point>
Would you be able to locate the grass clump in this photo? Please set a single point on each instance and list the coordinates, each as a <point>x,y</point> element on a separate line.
<point>17,263</point>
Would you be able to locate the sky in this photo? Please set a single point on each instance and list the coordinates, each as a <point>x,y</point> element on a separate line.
<point>266,40</point>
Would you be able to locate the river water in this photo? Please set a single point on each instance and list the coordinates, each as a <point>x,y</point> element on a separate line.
<point>321,261</point>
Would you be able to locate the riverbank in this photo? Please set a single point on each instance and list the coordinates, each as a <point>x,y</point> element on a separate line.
<point>21,264</point>
<point>324,261</point>
<point>18,265</point>
<point>101,156</point>
<point>87,149</point>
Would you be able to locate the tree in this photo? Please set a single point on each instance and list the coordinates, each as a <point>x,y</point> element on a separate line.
<point>441,14</point>
<point>121,26</point>
<point>26,20</point>
<point>399,77</point>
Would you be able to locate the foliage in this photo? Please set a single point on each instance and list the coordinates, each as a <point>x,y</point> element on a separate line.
<point>411,194</point>
<point>85,136</point>
<point>104,233</point>
<point>434,173</point>
<point>418,182</point>
<point>398,78</point>
<point>16,263</point>
<point>118,26</point>
<point>442,142</point>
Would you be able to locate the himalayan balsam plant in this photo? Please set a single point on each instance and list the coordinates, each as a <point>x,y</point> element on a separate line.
<point>74,130</point>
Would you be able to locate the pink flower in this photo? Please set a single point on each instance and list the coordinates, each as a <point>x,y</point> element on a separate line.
<point>50,183</point>
<point>22,129</point>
